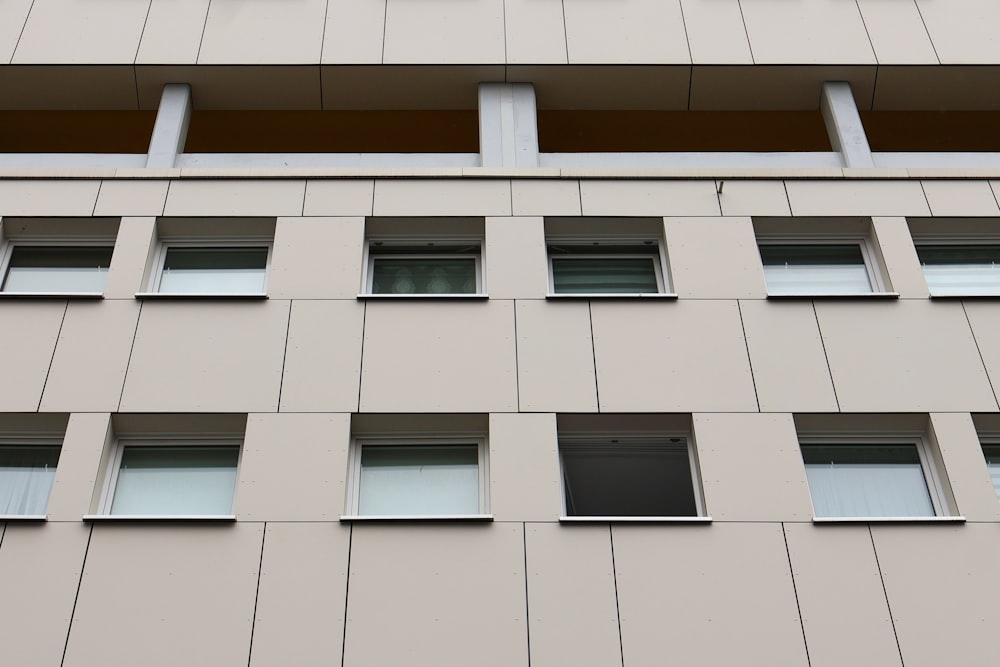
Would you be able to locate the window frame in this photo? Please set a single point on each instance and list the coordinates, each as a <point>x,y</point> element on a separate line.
<point>87,241</point>
<point>931,475</point>
<point>657,253</point>
<point>30,440</point>
<point>602,438</point>
<point>113,467</point>
<point>869,256</point>
<point>958,239</point>
<point>990,439</point>
<point>211,243</point>
<point>429,241</point>
<point>358,443</point>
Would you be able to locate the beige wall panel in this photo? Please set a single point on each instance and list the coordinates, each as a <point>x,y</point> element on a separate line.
<point>963,31</point>
<point>81,31</point>
<point>899,258</point>
<point>339,197</point>
<point>131,197</point>
<point>545,197</point>
<point>659,198</point>
<point>907,356</point>
<point>830,198</point>
<point>515,259</point>
<point>603,86</point>
<point>13,14</point>
<point>79,470</point>
<point>729,445</point>
<point>48,197</point>
<point>714,258</point>
<point>88,367</point>
<point>300,599</point>
<point>40,568</point>
<point>525,479</point>
<point>571,596</point>
<point>454,197</point>
<point>555,357</point>
<point>317,258</point>
<point>897,32</point>
<point>715,32</point>
<point>961,198</point>
<point>251,32</point>
<point>985,322</point>
<point>173,32</point>
<point>535,32</point>
<point>995,185</point>
<point>441,32</point>
<point>29,331</point>
<point>207,357</point>
<point>776,87</point>
<point>135,246</point>
<point>450,357</point>
<point>671,357</point>
<point>322,371</point>
<point>706,596</point>
<point>454,596</point>
<point>626,32</point>
<point>293,467</point>
<point>840,596</point>
<point>354,32</point>
<point>136,604</point>
<point>812,32</point>
<point>962,457</point>
<point>754,198</point>
<point>786,353</point>
<point>941,585</point>
<point>244,197</point>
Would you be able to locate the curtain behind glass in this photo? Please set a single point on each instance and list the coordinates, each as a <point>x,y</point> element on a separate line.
<point>815,269</point>
<point>431,275</point>
<point>176,480</point>
<point>867,481</point>
<point>961,269</point>
<point>412,480</point>
<point>57,269</point>
<point>992,453</point>
<point>26,475</point>
<point>604,275</point>
<point>214,271</point>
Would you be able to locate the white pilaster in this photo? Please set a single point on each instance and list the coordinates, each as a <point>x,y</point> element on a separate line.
<point>508,125</point>
<point>171,127</point>
<point>843,124</point>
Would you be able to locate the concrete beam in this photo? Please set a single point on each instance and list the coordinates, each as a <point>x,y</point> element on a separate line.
<point>171,127</point>
<point>843,124</point>
<point>508,125</point>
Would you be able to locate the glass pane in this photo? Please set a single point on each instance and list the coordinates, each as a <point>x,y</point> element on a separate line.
<point>992,453</point>
<point>815,269</point>
<point>604,275</point>
<point>176,480</point>
<point>961,269</point>
<point>214,271</point>
<point>417,480</point>
<point>26,475</point>
<point>867,481</point>
<point>431,275</point>
<point>57,269</point>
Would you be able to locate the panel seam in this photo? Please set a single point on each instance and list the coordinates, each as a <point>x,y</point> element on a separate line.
<point>204,28</point>
<point>743,18</point>
<point>795,591</point>
<point>20,35</point>
<point>746,346</point>
<point>322,48</point>
<point>826,356</point>
<point>885,594</point>
<point>861,15</point>
<point>52,358</point>
<point>928,32</point>
<point>347,594</point>
<point>527,606</point>
<point>687,37</point>
<point>284,356</point>
<point>979,350</point>
<point>131,349</point>
<point>100,183</point>
<point>76,598</point>
<point>517,362</point>
<point>593,353</point>
<point>614,579</point>
<point>256,597</point>
<point>361,362</point>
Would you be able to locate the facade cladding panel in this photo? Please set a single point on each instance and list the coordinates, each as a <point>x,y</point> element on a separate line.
<point>779,220</point>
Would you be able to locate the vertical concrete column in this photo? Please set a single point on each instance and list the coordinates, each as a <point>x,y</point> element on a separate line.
<point>171,127</point>
<point>508,125</point>
<point>843,124</point>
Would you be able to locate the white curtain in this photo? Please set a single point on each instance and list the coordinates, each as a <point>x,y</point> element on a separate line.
<point>869,490</point>
<point>26,476</point>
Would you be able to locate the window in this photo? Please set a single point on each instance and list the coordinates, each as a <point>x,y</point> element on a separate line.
<point>991,450</point>
<point>608,267</point>
<point>37,268</point>
<point>633,476</point>
<point>196,268</point>
<point>26,475</point>
<point>878,478</point>
<point>827,268</point>
<point>426,478</point>
<point>178,478</point>
<point>961,269</point>
<point>438,268</point>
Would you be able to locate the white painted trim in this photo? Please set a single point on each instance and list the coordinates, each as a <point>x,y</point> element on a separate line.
<point>845,295</point>
<point>636,519</point>
<point>167,296</point>
<point>305,160</point>
<point>670,296</point>
<point>889,519</point>
<point>171,128</point>
<point>159,517</point>
<point>72,160</point>
<point>52,295</point>
<point>418,517</point>
<point>733,160</point>
<point>843,125</point>
<point>24,517</point>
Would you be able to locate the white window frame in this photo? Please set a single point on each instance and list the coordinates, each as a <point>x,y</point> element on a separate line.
<point>932,477</point>
<point>868,255</point>
<point>368,271</point>
<point>32,439</point>
<point>110,481</point>
<point>7,252</point>
<point>603,438</point>
<point>212,243</point>
<point>354,475</point>
<point>990,439</point>
<point>946,239</point>
<point>657,253</point>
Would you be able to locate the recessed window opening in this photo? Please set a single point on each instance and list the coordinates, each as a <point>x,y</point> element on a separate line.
<point>605,267</point>
<point>197,269</point>
<point>431,268</point>
<point>991,450</point>
<point>26,476</point>
<point>56,268</point>
<point>961,269</point>
<point>816,268</point>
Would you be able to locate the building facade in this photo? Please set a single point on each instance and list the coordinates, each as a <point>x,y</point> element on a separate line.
<point>499,332</point>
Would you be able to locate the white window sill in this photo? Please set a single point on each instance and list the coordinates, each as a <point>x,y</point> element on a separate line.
<point>846,295</point>
<point>635,519</point>
<point>472,297</point>
<point>253,296</point>
<point>945,297</point>
<point>159,517</point>
<point>623,295</point>
<point>889,519</point>
<point>418,517</point>
<point>51,295</point>
<point>23,517</point>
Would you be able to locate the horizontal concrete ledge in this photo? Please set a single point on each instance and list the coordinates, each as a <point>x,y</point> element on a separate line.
<point>23,517</point>
<point>669,296</point>
<point>52,295</point>
<point>419,517</point>
<point>889,519</point>
<point>165,296</point>
<point>835,297</point>
<point>160,517</point>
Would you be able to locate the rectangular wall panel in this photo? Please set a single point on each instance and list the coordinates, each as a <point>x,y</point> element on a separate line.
<point>714,258</point>
<point>525,477</point>
<point>247,33</point>
<point>173,31</point>
<point>439,31</point>
<point>79,473</point>
<point>515,258</point>
<point>32,329</point>
<point>963,32</point>
<point>897,32</point>
<point>317,258</point>
<point>808,32</point>
<point>81,32</point>
<point>630,31</point>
